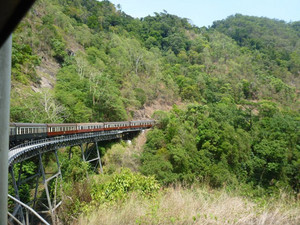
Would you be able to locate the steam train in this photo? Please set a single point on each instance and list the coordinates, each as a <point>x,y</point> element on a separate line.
<point>21,132</point>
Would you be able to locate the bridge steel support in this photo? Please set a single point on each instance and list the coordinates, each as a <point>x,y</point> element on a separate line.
<point>86,156</point>
<point>53,204</point>
<point>37,149</point>
<point>5,74</point>
<point>99,158</point>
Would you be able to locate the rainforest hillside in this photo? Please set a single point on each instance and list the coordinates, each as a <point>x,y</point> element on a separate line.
<point>226,99</point>
<point>236,84</point>
<point>78,61</point>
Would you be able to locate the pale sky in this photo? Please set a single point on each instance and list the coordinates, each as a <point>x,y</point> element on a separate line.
<point>204,12</point>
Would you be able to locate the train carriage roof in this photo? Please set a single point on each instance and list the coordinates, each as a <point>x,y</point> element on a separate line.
<point>61,124</point>
<point>117,122</point>
<point>28,124</point>
<point>142,121</point>
<point>88,124</point>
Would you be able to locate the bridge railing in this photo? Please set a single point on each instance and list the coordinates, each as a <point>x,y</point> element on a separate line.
<point>38,141</point>
<point>27,211</point>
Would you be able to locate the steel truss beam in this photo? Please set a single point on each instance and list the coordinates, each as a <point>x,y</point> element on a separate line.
<point>38,148</point>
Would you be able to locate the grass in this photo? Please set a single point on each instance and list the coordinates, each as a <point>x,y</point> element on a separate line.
<point>199,205</point>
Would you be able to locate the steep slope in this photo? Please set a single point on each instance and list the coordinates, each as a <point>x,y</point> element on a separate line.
<point>88,61</point>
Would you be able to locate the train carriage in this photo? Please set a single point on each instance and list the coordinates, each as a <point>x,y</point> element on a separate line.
<point>19,132</point>
<point>55,129</point>
<point>89,127</point>
<point>22,132</point>
<point>116,125</point>
<point>142,123</point>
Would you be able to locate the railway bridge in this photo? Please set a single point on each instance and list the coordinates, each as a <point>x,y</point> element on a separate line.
<point>24,213</point>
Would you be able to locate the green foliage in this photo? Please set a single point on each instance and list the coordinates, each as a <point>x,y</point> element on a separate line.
<point>86,195</point>
<point>24,62</point>
<point>74,169</point>
<point>58,47</point>
<point>224,145</point>
<point>121,184</point>
<point>29,168</point>
<point>31,107</point>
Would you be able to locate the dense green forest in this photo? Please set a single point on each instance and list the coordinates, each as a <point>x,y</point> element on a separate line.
<point>233,89</point>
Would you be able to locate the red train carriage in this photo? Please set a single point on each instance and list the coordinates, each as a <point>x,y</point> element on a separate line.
<point>56,129</point>
<point>89,127</point>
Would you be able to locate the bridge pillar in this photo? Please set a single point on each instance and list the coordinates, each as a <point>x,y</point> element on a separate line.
<point>18,208</point>
<point>86,156</point>
<point>70,152</point>
<point>82,152</point>
<point>99,158</point>
<point>53,204</point>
